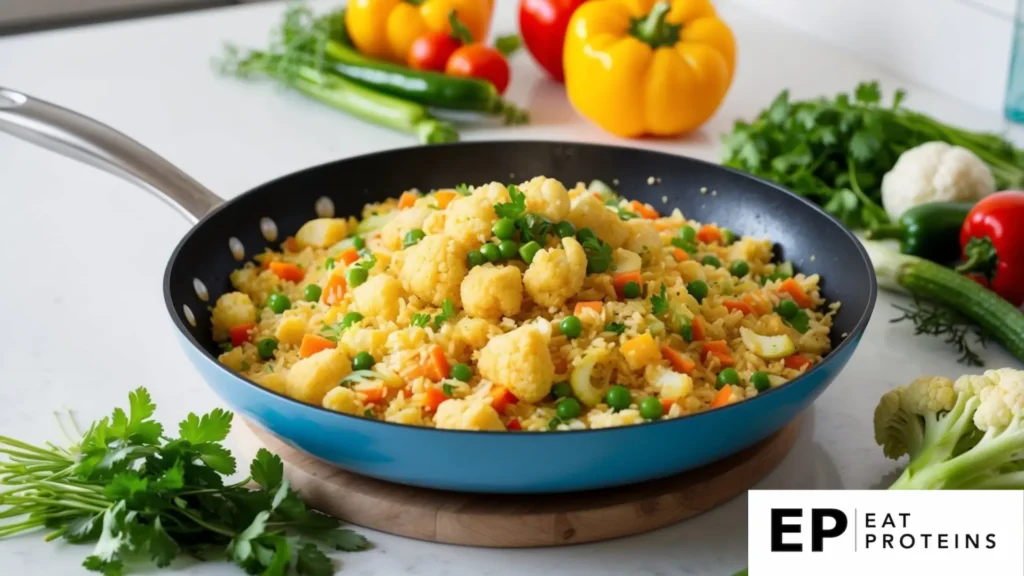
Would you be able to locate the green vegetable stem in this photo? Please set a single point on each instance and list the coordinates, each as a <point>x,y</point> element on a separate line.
<point>135,493</point>
<point>930,231</point>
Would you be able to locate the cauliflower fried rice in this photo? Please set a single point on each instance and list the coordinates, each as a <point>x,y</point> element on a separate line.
<point>521,307</point>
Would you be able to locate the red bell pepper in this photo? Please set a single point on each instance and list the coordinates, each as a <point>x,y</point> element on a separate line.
<point>542,24</point>
<point>992,240</point>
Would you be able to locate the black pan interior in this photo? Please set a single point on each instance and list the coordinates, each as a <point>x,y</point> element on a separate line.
<point>703,191</point>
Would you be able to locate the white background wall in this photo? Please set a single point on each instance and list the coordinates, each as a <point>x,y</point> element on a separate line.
<point>960,47</point>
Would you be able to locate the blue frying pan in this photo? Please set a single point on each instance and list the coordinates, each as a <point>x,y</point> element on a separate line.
<point>224,232</point>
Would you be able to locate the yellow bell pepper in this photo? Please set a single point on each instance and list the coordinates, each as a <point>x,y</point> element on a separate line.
<point>640,67</point>
<point>387,28</point>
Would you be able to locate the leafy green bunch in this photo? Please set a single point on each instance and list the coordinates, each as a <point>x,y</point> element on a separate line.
<point>138,494</point>
<point>835,151</point>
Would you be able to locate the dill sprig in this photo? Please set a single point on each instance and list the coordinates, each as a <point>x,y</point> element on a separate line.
<point>942,322</point>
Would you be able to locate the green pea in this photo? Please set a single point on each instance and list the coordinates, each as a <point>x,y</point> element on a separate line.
<point>312,292</point>
<point>631,290</point>
<point>698,289</point>
<point>413,237</point>
<point>727,376</point>
<point>358,242</point>
<point>363,361</point>
<point>329,264</point>
<point>618,398</point>
<point>760,381</point>
<point>571,326</point>
<point>568,408</point>
<point>504,229</point>
<point>508,249</point>
<point>475,258</point>
<point>712,261</point>
<point>650,408</point>
<point>561,390</point>
<point>351,318</point>
<point>728,237</point>
<point>462,373</point>
<point>787,309</point>
<point>565,229</point>
<point>278,303</point>
<point>356,275</point>
<point>528,251</point>
<point>490,252</point>
<point>266,348</point>
<point>739,269</point>
<point>584,234</point>
<point>688,233</point>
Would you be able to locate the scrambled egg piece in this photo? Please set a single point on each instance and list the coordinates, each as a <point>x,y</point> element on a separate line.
<point>409,219</point>
<point>310,379</point>
<point>589,212</point>
<point>521,361</point>
<point>378,297</point>
<point>341,399</point>
<point>473,414</point>
<point>322,232</point>
<point>469,218</point>
<point>644,238</point>
<point>434,269</point>
<point>232,309</point>
<point>546,196</point>
<point>493,292</point>
<point>556,274</point>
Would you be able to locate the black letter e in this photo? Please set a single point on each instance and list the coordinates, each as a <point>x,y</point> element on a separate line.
<point>779,528</point>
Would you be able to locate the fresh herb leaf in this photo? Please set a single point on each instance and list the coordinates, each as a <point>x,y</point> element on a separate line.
<point>212,427</point>
<point>513,209</point>
<point>226,346</point>
<point>553,423</point>
<point>463,189</point>
<point>659,302</point>
<point>268,369</point>
<point>216,457</point>
<point>447,313</point>
<point>599,255</point>
<point>447,389</point>
<point>368,413</point>
<point>162,548</point>
<point>344,539</point>
<point>420,320</point>
<point>534,227</point>
<point>615,327</point>
<point>310,561</point>
<point>688,247</point>
<point>626,214</point>
<point>267,470</point>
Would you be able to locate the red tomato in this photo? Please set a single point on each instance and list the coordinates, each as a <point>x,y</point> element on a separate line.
<point>542,24</point>
<point>431,51</point>
<point>480,61</point>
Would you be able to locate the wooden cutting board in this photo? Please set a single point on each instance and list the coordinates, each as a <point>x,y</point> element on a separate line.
<point>520,521</point>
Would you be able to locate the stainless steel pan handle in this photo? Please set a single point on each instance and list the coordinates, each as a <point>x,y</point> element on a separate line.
<point>75,136</point>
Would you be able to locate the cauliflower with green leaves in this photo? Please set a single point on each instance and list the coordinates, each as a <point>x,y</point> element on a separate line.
<point>967,434</point>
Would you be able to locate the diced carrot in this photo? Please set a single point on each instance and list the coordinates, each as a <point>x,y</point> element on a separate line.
<point>438,368</point>
<point>414,372</point>
<point>334,291</point>
<point>737,305</point>
<point>644,210</point>
<point>433,398</point>
<point>287,271</point>
<point>719,349</point>
<point>348,255</point>
<point>621,280</point>
<point>722,398</point>
<point>796,292</point>
<point>311,344</point>
<point>709,234</point>
<point>666,405</point>
<point>406,392</point>
<point>240,334</point>
<point>680,254</point>
<point>374,395</point>
<point>291,244</point>
<point>697,328</point>
<point>679,362</point>
<point>407,200</point>
<point>501,397</point>
<point>513,425</point>
<point>444,197</point>
<point>595,305</point>
<point>797,361</point>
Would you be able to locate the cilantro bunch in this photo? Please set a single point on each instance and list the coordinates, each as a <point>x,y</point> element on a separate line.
<point>137,495</point>
<point>836,151</point>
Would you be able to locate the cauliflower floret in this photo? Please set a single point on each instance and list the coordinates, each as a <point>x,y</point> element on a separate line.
<point>935,172</point>
<point>547,197</point>
<point>470,414</point>
<point>434,224</point>
<point>613,419</point>
<point>232,309</point>
<point>322,232</point>
<point>626,261</point>
<point>644,238</point>
<point>292,326</point>
<point>341,399</point>
<point>589,212</point>
<point>378,297</point>
<point>356,340</point>
<point>232,359</point>
<point>492,292</point>
<point>1001,393</point>
<point>474,333</point>
<point>409,219</point>
<point>469,218</point>
<point>410,416</point>
<point>751,250</point>
<point>310,379</point>
<point>521,361</point>
<point>434,269</point>
<point>273,381</point>
<point>556,274</point>
<point>928,394</point>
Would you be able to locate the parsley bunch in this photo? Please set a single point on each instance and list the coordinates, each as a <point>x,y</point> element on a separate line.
<point>139,495</point>
<point>836,151</point>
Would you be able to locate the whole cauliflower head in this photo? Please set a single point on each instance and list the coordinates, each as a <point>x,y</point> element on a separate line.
<point>433,269</point>
<point>935,172</point>
<point>492,292</point>
<point>556,274</point>
<point>521,361</point>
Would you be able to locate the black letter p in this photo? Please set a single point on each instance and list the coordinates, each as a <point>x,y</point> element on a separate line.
<point>818,532</point>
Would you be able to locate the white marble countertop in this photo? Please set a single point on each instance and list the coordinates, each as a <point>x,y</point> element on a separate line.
<point>84,254</point>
